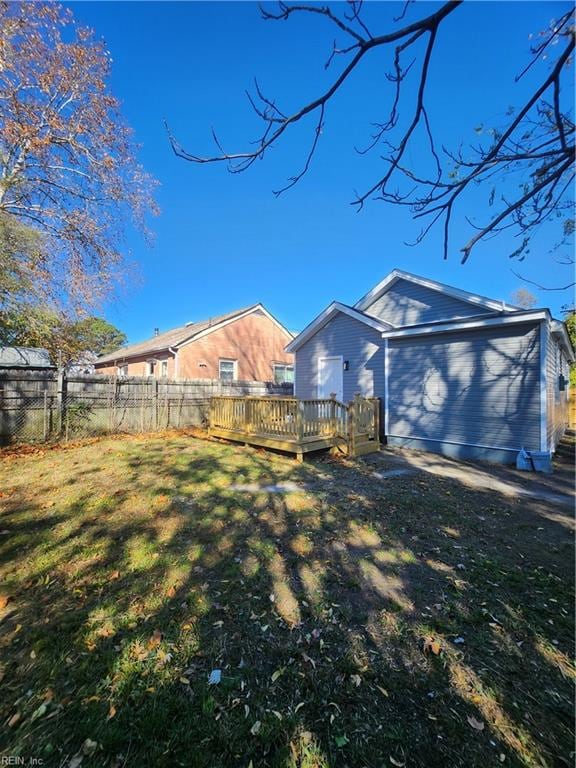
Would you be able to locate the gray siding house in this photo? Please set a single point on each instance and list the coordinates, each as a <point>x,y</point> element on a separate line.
<point>456,373</point>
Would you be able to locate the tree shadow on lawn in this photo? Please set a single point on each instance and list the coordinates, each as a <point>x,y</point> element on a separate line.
<point>335,614</point>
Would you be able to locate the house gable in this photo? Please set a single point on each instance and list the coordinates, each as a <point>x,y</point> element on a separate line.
<point>331,312</point>
<point>405,299</point>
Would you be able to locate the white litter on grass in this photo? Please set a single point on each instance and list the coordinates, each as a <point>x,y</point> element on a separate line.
<point>215,677</point>
<point>288,487</point>
<point>393,473</point>
<point>458,640</point>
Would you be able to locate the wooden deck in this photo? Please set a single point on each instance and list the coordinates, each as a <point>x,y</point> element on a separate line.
<point>298,426</point>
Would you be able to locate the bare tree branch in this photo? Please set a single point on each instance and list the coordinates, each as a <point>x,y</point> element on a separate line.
<point>533,152</point>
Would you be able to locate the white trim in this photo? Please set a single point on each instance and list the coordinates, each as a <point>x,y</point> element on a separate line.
<point>282,365</point>
<point>386,369</point>
<point>425,330</point>
<point>223,323</point>
<point>456,442</point>
<point>543,387</point>
<point>326,315</point>
<point>234,368</point>
<point>447,290</point>
<point>331,357</point>
<point>175,353</point>
<point>558,328</point>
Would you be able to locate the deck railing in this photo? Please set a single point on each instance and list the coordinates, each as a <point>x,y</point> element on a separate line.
<point>289,418</point>
<point>285,417</point>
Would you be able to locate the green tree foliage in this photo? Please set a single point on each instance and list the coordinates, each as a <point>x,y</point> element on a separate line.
<point>570,320</point>
<point>66,340</point>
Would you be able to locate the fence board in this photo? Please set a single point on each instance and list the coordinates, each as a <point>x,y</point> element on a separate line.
<point>33,409</point>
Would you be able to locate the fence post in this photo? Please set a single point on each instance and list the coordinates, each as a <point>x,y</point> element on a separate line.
<point>155,405</point>
<point>45,415</point>
<point>61,392</point>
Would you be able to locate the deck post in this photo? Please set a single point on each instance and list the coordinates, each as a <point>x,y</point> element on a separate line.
<point>248,415</point>
<point>376,405</point>
<point>300,422</point>
<point>333,430</point>
<point>351,428</point>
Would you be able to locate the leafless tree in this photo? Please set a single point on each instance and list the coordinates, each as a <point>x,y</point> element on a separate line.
<point>535,147</point>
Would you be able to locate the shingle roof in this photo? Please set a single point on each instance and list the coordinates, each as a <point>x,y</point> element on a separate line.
<point>171,338</point>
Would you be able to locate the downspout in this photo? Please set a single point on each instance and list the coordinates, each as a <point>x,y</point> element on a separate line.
<point>175,353</point>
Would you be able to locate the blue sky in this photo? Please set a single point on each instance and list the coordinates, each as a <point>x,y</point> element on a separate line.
<point>225,241</point>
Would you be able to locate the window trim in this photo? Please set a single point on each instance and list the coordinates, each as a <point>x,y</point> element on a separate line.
<point>234,368</point>
<point>122,370</point>
<point>285,367</point>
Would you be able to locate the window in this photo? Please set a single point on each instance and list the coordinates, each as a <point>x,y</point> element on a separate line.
<point>122,370</point>
<point>164,367</point>
<point>283,374</point>
<point>227,370</point>
<point>151,367</point>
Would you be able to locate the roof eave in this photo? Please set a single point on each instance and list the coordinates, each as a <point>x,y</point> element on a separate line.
<point>457,293</point>
<point>325,316</point>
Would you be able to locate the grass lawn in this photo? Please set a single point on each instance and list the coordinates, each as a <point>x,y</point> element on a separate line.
<point>355,622</point>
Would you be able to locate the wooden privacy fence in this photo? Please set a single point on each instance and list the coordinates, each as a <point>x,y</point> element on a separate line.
<point>572,410</point>
<point>298,426</point>
<point>40,406</point>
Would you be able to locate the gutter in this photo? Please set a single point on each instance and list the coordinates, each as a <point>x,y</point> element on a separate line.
<point>175,353</point>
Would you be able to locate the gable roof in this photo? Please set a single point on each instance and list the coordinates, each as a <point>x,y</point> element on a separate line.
<point>25,357</point>
<point>176,337</point>
<point>447,290</point>
<point>325,316</point>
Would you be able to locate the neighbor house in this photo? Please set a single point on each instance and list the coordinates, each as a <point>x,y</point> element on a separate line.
<point>247,345</point>
<point>457,373</point>
<point>25,358</point>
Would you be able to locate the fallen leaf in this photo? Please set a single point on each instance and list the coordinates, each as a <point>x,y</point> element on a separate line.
<point>383,691</point>
<point>432,646</point>
<point>4,600</point>
<point>478,725</point>
<point>309,660</point>
<point>38,712</point>
<point>277,674</point>
<point>14,720</point>
<point>114,575</point>
<point>75,761</point>
<point>341,740</point>
<point>111,712</point>
<point>256,728</point>
<point>89,747</point>
<point>184,681</point>
<point>355,680</point>
<point>396,762</point>
<point>156,638</point>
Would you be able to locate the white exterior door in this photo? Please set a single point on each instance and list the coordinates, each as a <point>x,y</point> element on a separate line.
<point>330,377</point>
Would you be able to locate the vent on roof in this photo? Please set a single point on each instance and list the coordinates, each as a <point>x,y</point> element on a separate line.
<point>195,322</point>
<point>156,331</point>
